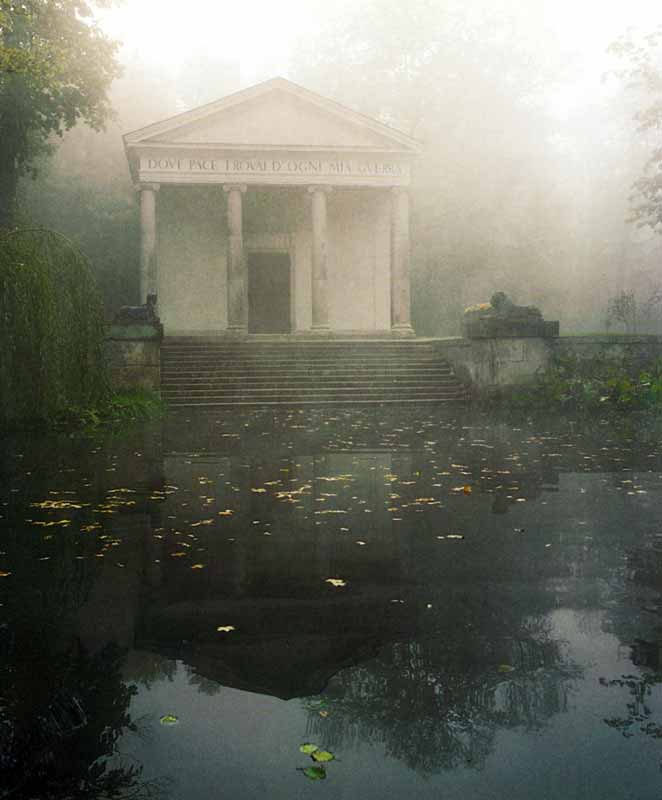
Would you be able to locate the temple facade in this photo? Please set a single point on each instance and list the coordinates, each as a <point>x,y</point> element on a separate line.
<point>275,211</point>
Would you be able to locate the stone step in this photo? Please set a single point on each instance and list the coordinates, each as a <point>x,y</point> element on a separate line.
<point>315,402</point>
<point>185,391</point>
<point>218,373</point>
<point>310,394</point>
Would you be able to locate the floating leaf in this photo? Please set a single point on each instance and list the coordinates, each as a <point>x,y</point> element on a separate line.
<point>336,582</point>
<point>169,719</point>
<point>198,566</point>
<point>315,773</point>
<point>322,755</point>
<point>324,714</point>
<point>467,489</point>
<point>308,748</point>
<point>227,513</point>
<point>226,628</point>
<point>5,574</point>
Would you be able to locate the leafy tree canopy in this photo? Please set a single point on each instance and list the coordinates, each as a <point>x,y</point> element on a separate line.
<point>642,72</point>
<point>55,68</point>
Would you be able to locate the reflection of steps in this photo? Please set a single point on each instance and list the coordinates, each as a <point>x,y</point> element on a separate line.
<point>209,372</point>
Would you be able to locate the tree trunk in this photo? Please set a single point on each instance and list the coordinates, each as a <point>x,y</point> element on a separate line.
<point>8,187</point>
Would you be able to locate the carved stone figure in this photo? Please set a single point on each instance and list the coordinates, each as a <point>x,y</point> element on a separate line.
<point>503,318</point>
<point>138,315</point>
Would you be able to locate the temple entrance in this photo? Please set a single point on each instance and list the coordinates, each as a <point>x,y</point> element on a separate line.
<point>269,306</point>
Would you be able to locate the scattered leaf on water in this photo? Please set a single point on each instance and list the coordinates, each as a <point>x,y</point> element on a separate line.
<point>336,582</point>
<point>198,566</point>
<point>227,513</point>
<point>315,773</point>
<point>169,719</point>
<point>226,628</point>
<point>322,755</point>
<point>467,489</point>
<point>455,536</point>
<point>308,748</point>
<point>324,714</point>
<point>5,574</point>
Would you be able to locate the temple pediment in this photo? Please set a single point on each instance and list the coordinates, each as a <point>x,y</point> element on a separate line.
<point>276,114</point>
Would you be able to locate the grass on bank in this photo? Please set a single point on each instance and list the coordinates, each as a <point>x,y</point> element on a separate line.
<point>118,407</point>
<point>588,386</point>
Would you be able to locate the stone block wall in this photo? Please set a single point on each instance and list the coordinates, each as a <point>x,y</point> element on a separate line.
<point>134,357</point>
<point>493,364</point>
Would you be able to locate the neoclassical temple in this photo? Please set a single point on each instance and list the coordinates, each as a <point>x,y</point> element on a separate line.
<point>275,211</point>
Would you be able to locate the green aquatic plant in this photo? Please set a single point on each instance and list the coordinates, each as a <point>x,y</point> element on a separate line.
<point>51,328</point>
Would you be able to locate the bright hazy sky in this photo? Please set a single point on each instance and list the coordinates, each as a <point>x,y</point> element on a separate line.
<point>260,34</point>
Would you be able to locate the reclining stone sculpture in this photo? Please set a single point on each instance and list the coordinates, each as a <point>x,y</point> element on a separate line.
<point>138,315</point>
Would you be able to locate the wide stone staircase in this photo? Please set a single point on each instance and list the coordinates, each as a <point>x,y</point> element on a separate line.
<point>226,372</point>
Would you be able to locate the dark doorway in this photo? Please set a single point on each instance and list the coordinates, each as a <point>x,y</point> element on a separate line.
<point>269,293</point>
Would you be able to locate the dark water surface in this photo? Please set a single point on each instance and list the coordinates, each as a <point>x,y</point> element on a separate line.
<point>453,607</point>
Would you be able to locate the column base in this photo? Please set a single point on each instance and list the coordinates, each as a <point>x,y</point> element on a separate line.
<point>237,330</point>
<point>402,330</point>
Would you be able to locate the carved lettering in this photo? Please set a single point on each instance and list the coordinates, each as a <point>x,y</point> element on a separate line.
<point>333,167</point>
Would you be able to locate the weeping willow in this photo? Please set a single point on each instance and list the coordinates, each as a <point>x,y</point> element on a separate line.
<point>51,328</point>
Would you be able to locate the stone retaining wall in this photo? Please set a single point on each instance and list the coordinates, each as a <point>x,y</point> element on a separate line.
<point>492,364</point>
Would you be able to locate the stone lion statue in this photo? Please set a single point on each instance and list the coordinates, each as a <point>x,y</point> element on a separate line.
<point>137,315</point>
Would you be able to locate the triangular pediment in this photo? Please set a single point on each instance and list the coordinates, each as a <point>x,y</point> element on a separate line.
<point>277,114</point>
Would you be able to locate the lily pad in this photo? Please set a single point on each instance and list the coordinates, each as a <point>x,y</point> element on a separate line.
<point>315,773</point>
<point>308,748</point>
<point>169,719</point>
<point>322,755</point>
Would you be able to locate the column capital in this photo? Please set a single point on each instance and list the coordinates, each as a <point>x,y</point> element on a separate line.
<point>320,188</point>
<point>228,187</point>
<point>149,187</point>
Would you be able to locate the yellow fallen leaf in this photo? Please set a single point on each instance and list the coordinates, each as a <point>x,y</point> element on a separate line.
<point>227,513</point>
<point>225,628</point>
<point>198,566</point>
<point>5,574</point>
<point>336,582</point>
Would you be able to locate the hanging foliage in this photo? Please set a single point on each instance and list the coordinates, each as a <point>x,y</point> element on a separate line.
<point>51,328</point>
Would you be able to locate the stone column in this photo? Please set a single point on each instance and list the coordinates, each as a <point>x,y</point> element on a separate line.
<point>237,283</point>
<point>148,267</point>
<point>320,253</point>
<point>400,288</point>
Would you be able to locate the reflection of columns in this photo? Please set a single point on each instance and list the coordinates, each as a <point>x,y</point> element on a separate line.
<point>237,285</point>
<point>400,302</point>
<point>148,274</point>
<point>320,254</point>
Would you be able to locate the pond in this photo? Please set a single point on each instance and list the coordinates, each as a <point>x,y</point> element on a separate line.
<point>439,603</point>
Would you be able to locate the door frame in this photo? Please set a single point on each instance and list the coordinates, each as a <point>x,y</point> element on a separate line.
<point>283,243</point>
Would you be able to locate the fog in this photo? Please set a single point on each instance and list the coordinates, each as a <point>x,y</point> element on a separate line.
<point>529,143</point>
